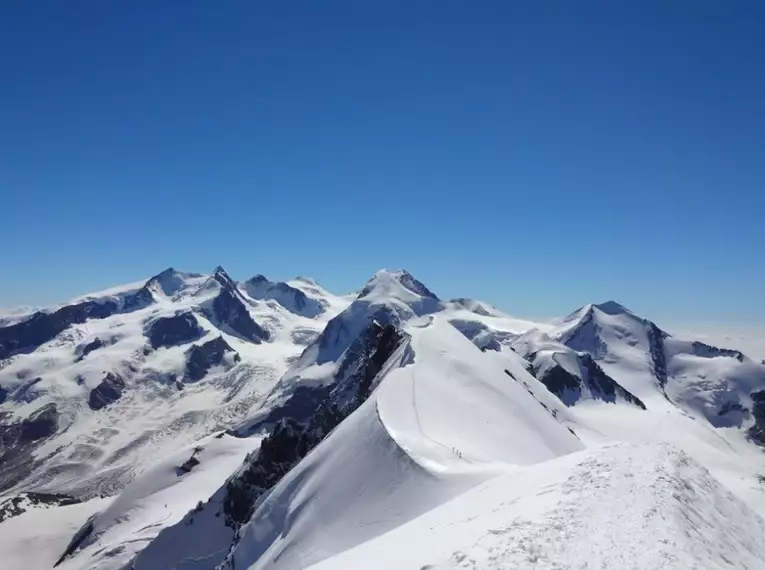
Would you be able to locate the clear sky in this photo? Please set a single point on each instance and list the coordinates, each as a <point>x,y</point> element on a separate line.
<point>536,155</point>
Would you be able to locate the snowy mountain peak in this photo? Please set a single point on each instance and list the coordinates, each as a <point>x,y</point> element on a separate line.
<point>171,281</point>
<point>307,280</point>
<point>289,297</point>
<point>612,308</point>
<point>398,283</point>
<point>609,308</point>
<point>222,277</point>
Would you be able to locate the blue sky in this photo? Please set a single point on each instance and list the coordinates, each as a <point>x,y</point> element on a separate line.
<point>534,155</point>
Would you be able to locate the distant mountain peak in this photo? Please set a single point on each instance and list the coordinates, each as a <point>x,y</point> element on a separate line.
<point>612,308</point>
<point>220,272</point>
<point>289,297</point>
<point>225,281</point>
<point>386,281</point>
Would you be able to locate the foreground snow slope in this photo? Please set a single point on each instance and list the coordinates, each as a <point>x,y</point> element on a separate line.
<point>393,429</point>
<point>615,508</point>
<point>157,498</point>
<point>35,539</point>
<point>434,428</point>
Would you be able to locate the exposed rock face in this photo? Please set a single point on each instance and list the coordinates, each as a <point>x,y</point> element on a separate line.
<point>14,506</point>
<point>585,336</point>
<point>171,331</point>
<point>80,536</point>
<point>229,309</point>
<point>189,464</point>
<point>291,298</point>
<point>200,358</point>
<point>757,431</point>
<point>19,439</point>
<point>91,346</point>
<point>602,383</point>
<point>138,300</point>
<point>707,351</point>
<point>107,392</point>
<point>27,392</point>
<point>570,387</point>
<point>291,439</point>
<point>656,338</point>
<point>40,424</point>
<point>43,327</point>
<point>482,336</point>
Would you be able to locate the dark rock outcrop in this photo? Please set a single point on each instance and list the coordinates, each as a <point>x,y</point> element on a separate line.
<point>26,392</point>
<point>18,440</point>
<point>757,431</point>
<point>656,338</point>
<point>107,392</point>
<point>229,309</point>
<point>43,327</point>
<point>190,463</point>
<point>170,331</point>
<point>569,387</point>
<point>91,346</point>
<point>200,358</point>
<point>80,536</point>
<point>291,439</point>
<point>707,351</point>
<point>39,425</point>
<point>601,383</point>
<point>19,504</point>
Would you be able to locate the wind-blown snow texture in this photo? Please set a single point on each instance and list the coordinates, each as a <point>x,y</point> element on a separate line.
<point>192,422</point>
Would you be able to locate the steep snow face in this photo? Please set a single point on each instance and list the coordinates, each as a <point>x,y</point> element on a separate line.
<point>157,498</point>
<point>708,382</point>
<point>290,439</point>
<point>402,452</point>
<point>98,399</point>
<point>620,507</point>
<point>390,297</point>
<point>390,429</point>
<point>408,294</point>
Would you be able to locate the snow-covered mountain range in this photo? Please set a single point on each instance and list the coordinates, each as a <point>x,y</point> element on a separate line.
<point>193,422</point>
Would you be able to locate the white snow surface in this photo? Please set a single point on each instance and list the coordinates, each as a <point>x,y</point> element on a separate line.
<point>99,451</point>
<point>157,498</point>
<point>35,539</point>
<point>437,425</point>
<point>619,507</point>
<point>460,458</point>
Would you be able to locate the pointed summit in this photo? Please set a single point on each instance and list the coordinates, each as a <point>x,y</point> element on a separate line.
<point>612,308</point>
<point>396,283</point>
<point>229,309</point>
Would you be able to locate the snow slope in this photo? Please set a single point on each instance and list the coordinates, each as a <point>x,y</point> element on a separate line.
<point>432,429</point>
<point>157,498</point>
<point>382,430</point>
<point>35,539</point>
<point>615,508</point>
<point>152,407</point>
